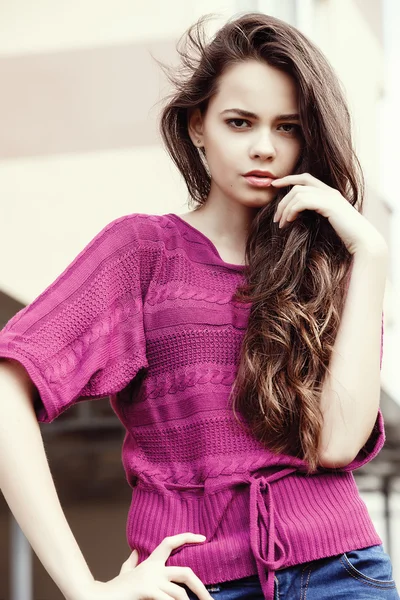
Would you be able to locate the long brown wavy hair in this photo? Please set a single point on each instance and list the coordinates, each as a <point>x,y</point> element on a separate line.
<point>296,277</point>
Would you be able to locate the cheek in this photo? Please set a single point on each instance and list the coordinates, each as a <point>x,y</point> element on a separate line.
<point>292,152</point>
<point>221,153</point>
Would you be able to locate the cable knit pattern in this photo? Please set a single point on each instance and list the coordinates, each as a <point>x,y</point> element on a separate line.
<point>145,315</point>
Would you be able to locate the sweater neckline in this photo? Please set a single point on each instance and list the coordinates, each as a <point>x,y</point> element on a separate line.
<point>182,224</point>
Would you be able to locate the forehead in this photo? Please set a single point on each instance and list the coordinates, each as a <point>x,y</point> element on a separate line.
<point>257,87</point>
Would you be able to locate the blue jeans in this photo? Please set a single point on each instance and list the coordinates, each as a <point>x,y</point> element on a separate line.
<point>355,575</point>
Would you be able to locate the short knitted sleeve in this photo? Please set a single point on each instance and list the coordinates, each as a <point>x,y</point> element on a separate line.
<point>83,337</point>
<point>376,440</point>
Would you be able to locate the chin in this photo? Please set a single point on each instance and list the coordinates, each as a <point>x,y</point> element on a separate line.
<point>259,199</point>
<point>254,203</point>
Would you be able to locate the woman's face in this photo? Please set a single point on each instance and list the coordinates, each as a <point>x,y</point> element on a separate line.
<point>236,142</point>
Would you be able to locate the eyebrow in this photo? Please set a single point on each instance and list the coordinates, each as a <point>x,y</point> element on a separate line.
<point>250,115</point>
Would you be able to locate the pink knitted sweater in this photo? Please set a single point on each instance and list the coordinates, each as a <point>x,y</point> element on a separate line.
<point>144,314</point>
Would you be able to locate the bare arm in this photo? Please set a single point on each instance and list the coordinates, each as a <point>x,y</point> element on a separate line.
<point>28,487</point>
<point>350,397</point>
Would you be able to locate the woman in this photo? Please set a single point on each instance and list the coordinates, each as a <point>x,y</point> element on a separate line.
<point>240,343</point>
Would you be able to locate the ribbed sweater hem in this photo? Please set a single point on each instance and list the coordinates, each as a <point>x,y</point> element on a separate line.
<point>223,517</point>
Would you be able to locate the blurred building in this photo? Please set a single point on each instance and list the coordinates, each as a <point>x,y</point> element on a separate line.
<point>79,147</point>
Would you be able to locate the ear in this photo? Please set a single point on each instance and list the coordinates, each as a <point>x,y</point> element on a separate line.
<point>195,127</point>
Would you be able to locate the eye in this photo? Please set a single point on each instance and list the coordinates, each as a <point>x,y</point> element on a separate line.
<point>230,121</point>
<point>295,128</point>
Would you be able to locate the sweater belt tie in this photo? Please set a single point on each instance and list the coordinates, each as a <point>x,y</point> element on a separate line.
<point>263,539</point>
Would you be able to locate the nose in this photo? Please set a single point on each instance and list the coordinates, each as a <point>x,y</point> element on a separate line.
<point>262,147</point>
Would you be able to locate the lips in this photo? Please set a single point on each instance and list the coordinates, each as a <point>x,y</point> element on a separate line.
<point>259,173</point>
<point>259,178</point>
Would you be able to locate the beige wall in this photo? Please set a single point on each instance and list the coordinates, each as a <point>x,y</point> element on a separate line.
<point>79,142</point>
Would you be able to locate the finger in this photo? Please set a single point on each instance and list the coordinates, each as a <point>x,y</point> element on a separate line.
<point>186,576</point>
<point>175,591</point>
<point>291,212</point>
<point>130,563</point>
<point>297,189</point>
<point>290,197</point>
<point>303,198</point>
<point>164,549</point>
<point>160,595</point>
<point>283,203</point>
<point>301,179</point>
